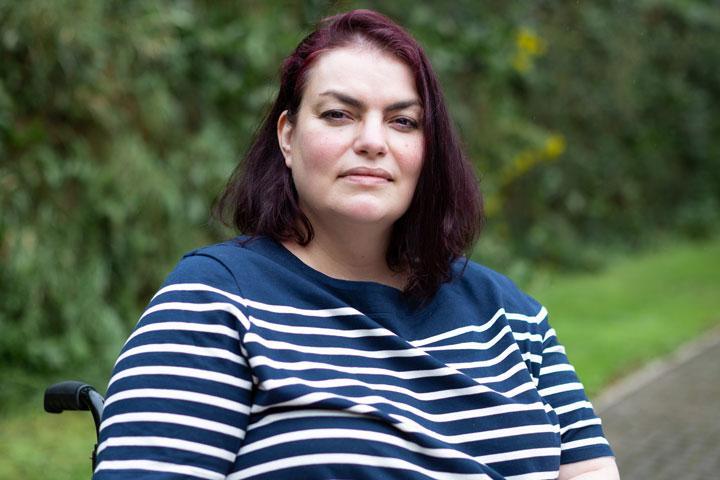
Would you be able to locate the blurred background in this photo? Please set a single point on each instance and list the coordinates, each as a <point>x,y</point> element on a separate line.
<point>594,127</point>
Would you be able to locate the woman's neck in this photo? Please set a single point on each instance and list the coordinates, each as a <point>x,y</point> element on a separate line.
<point>349,254</point>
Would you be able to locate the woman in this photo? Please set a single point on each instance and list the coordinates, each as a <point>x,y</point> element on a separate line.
<point>345,337</point>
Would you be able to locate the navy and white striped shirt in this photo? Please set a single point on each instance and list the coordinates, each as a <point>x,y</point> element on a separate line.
<point>248,364</point>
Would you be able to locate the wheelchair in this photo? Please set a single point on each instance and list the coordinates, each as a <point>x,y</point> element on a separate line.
<point>74,395</point>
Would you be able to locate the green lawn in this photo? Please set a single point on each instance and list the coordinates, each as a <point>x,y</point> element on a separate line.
<point>611,323</point>
<point>636,310</point>
<point>37,445</point>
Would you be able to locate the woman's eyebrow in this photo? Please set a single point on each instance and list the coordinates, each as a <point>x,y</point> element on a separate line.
<point>354,102</point>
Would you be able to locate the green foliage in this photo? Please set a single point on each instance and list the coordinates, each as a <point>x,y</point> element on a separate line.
<point>631,85</point>
<point>121,120</point>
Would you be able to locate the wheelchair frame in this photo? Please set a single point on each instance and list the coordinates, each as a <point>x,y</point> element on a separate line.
<point>74,395</point>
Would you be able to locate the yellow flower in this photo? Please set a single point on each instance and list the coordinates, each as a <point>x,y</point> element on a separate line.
<point>528,46</point>
<point>529,42</point>
<point>527,159</point>
<point>554,146</point>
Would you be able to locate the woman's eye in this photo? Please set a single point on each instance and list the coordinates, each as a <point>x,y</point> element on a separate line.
<point>334,115</point>
<point>406,123</point>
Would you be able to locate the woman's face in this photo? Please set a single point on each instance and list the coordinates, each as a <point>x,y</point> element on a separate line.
<point>355,148</point>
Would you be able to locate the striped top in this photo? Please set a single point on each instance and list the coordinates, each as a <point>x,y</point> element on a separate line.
<point>248,364</point>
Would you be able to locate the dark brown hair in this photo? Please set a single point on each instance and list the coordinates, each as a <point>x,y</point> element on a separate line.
<point>445,214</point>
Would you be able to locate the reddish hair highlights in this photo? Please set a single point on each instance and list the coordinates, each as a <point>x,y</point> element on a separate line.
<point>445,215</point>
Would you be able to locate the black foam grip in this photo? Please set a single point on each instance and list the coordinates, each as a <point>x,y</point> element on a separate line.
<point>65,396</point>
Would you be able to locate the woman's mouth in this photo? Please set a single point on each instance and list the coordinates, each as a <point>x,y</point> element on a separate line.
<point>367,176</point>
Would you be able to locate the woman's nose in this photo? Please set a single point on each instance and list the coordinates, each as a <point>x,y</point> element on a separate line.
<point>370,140</point>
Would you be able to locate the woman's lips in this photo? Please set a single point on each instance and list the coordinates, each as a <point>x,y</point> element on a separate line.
<point>367,176</point>
<point>365,179</point>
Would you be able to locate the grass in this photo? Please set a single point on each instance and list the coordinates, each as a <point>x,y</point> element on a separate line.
<point>36,445</point>
<point>611,322</point>
<point>636,310</point>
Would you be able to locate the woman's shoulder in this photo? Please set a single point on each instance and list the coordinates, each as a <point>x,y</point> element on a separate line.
<point>216,264</point>
<point>493,287</point>
<point>228,251</point>
<point>474,271</point>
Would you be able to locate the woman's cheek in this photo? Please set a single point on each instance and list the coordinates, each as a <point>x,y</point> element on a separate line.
<point>324,152</point>
<point>412,157</point>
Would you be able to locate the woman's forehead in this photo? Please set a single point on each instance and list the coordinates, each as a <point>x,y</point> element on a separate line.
<point>362,72</point>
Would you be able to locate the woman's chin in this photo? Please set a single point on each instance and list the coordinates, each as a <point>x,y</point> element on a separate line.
<point>367,214</point>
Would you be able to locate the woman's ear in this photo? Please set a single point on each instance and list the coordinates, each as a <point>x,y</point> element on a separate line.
<point>284,134</point>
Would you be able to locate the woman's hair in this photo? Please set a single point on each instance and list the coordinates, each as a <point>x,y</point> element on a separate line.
<point>446,212</point>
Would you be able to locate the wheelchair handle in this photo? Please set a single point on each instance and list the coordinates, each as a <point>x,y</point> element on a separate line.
<point>74,395</point>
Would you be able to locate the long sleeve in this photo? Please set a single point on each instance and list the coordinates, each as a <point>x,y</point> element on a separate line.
<point>178,399</point>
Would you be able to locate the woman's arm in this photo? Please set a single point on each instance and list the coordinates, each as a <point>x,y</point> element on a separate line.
<point>180,394</point>
<point>603,468</point>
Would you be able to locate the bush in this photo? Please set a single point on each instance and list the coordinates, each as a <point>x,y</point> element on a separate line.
<point>120,122</point>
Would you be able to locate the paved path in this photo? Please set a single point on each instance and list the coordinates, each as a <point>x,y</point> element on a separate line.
<point>664,422</point>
